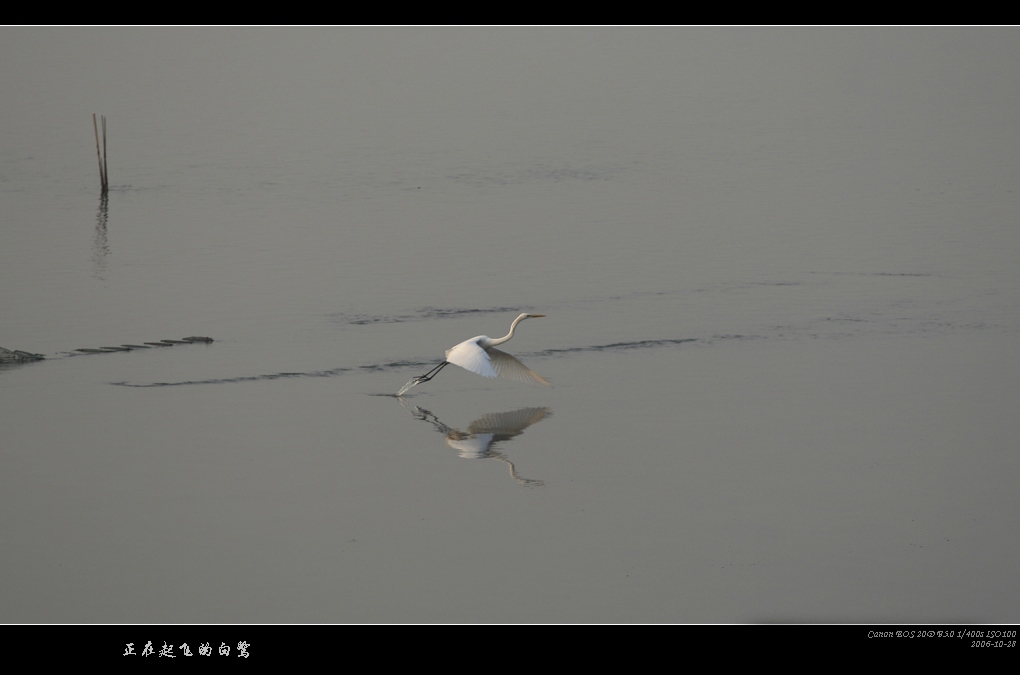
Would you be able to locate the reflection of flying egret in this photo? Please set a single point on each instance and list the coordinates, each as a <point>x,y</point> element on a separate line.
<point>479,355</point>
<point>482,435</point>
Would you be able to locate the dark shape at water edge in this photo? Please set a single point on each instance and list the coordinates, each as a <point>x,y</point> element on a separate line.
<point>18,356</point>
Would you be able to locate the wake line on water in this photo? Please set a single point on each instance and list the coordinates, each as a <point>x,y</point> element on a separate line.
<point>279,376</point>
<point>423,314</point>
<point>640,344</point>
<point>401,365</point>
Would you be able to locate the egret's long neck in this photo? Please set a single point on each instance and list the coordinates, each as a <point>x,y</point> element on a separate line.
<point>509,335</point>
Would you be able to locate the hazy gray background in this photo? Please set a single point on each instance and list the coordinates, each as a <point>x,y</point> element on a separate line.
<point>780,273</point>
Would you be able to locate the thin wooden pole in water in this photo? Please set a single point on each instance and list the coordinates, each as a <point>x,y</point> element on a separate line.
<point>106,174</point>
<point>101,158</point>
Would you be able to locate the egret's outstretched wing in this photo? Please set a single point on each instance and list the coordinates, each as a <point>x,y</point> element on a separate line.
<point>509,367</point>
<point>469,356</point>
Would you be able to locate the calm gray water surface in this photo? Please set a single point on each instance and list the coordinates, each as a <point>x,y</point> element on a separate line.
<point>779,268</point>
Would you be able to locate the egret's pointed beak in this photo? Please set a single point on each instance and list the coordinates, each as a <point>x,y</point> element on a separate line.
<point>535,316</point>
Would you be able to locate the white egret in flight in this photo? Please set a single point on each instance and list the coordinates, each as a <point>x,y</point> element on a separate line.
<point>479,355</point>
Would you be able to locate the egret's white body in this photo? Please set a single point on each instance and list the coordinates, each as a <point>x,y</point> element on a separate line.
<point>479,355</point>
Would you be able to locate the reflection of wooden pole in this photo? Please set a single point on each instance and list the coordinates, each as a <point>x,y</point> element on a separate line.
<point>101,158</point>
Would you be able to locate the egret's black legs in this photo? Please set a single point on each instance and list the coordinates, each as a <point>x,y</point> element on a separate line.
<point>422,378</point>
<point>432,373</point>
